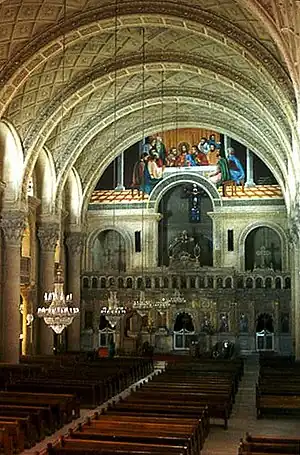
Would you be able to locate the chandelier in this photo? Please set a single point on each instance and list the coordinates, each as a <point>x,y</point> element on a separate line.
<point>113,311</point>
<point>143,306</point>
<point>177,298</point>
<point>60,313</point>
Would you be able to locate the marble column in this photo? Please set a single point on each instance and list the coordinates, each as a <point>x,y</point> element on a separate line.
<point>249,168</point>
<point>120,173</point>
<point>48,235</point>
<point>13,226</point>
<point>295,291</point>
<point>74,243</point>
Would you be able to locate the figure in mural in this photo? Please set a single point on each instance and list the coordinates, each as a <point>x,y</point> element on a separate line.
<point>172,157</point>
<point>138,175</point>
<point>185,158</point>
<point>152,173</point>
<point>203,145</point>
<point>212,154</point>
<point>222,172</point>
<point>235,167</point>
<point>199,157</point>
<point>161,151</point>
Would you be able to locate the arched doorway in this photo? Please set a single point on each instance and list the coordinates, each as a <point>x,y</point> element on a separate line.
<point>263,249</point>
<point>184,331</point>
<point>184,208</point>
<point>264,332</point>
<point>106,333</point>
<point>109,252</point>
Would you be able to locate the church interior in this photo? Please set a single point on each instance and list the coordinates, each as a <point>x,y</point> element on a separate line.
<point>150,227</point>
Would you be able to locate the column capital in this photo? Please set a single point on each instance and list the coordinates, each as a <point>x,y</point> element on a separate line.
<point>13,226</point>
<point>48,235</point>
<point>75,242</point>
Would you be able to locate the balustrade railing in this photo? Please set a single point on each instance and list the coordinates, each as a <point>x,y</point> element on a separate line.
<point>266,279</point>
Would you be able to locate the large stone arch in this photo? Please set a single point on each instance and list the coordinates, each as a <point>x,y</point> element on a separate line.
<point>184,177</point>
<point>275,227</point>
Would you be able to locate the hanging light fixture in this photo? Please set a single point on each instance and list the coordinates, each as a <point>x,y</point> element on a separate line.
<point>142,306</point>
<point>113,312</point>
<point>177,298</point>
<point>60,313</point>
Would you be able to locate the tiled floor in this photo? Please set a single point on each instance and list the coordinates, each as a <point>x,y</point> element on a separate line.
<point>126,196</point>
<point>243,419</point>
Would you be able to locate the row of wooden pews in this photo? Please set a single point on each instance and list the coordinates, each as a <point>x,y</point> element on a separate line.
<point>278,387</point>
<point>167,415</point>
<point>33,406</point>
<point>268,445</point>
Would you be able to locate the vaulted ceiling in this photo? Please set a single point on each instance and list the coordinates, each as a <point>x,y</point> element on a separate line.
<point>74,79</point>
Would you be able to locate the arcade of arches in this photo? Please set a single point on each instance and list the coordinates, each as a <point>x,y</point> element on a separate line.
<point>84,88</point>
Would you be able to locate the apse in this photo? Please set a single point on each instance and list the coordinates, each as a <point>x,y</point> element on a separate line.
<point>185,207</point>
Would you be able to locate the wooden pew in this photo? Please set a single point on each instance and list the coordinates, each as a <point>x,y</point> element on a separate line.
<point>276,404</point>
<point>6,446</point>
<point>269,445</point>
<point>15,433</point>
<point>64,407</point>
<point>26,426</point>
<point>41,416</point>
<point>189,428</point>
<point>218,406</point>
<point>82,447</point>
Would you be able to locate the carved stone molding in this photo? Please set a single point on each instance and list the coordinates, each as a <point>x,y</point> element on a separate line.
<point>75,242</point>
<point>13,226</point>
<point>48,236</point>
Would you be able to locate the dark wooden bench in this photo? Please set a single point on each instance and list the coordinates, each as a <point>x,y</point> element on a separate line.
<point>63,406</point>
<point>6,446</point>
<point>78,446</point>
<point>276,404</point>
<point>15,433</point>
<point>26,426</point>
<point>269,445</point>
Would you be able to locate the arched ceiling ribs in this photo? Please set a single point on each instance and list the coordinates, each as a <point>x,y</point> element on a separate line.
<point>171,14</point>
<point>82,88</point>
<point>75,146</point>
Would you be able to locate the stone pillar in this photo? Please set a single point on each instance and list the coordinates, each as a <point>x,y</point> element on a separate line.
<point>13,226</point>
<point>74,243</point>
<point>249,168</point>
<point>48,235</point>
<point>120,173</point>
<point>295,290</point>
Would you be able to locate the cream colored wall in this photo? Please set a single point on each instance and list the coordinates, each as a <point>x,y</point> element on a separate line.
<point>241,219</point>
<point>126,222</point>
